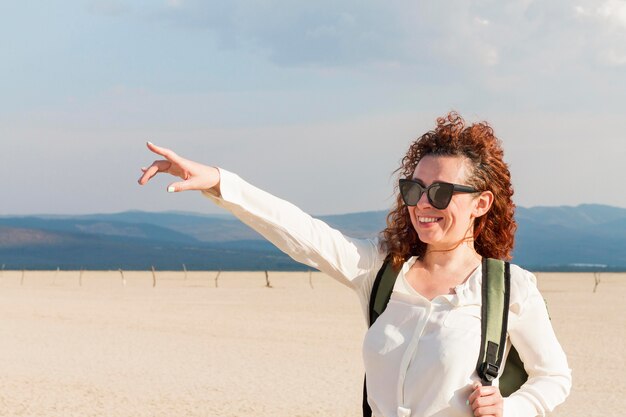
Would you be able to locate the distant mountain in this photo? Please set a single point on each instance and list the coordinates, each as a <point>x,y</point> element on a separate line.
<point>588,236</point>
<point>585,237</point>
<point>101,227</point>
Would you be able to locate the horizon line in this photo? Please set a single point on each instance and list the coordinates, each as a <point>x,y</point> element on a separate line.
<point>227,214</point>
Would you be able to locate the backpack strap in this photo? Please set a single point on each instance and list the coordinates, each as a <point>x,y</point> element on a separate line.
<point>382,289</point>
<point>496,289</point>
<point>367,410</point>
<point>379,298</point>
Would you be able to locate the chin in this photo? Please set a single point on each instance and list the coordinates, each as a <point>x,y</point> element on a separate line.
<point>427,238</point>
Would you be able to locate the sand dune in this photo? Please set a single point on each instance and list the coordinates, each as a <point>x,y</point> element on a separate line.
<point>97,346</point>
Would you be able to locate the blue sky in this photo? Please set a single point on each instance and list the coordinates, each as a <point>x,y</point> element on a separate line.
<point>313,101</point>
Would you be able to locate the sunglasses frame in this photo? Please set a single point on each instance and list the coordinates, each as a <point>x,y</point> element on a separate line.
<point>456,188</point>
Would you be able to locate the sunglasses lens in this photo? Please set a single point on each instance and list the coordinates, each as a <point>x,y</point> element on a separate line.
<point>411,192</point>
<point>440,195</point>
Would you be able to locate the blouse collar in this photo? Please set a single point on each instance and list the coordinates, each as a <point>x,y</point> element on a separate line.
<point>466,293</point>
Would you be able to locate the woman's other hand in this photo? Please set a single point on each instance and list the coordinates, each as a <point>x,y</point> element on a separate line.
<point>195,176</point>
<point>486,401</point>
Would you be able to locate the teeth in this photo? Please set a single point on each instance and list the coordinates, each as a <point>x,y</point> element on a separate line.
<point>427,219</point>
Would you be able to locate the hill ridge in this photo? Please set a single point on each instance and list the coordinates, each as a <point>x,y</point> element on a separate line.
<point>549,238</point>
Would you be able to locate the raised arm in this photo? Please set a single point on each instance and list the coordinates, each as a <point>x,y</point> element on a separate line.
<point>310,241</point>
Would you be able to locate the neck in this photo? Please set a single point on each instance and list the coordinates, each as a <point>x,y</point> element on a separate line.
<point>450,258</point>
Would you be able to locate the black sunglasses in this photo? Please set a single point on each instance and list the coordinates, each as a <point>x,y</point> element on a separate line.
<point>439,193</point>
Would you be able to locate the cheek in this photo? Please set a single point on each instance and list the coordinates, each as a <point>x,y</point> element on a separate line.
<point>462,216</point>
<point>412,216</point>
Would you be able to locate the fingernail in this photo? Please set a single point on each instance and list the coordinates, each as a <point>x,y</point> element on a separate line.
<point>150,143</point>
<point>170,189</point>
<point>467,402</point>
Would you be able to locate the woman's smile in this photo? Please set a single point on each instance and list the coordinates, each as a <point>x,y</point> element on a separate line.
<point>428,221</point>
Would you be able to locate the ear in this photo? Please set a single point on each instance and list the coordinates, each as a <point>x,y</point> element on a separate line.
<point>482,203</point>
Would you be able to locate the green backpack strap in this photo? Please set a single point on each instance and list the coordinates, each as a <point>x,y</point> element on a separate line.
<point>382,289</point>
<point>379,298</point>
<point>496,290</point>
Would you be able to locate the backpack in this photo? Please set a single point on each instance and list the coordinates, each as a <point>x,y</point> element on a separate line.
<point>496,287</point>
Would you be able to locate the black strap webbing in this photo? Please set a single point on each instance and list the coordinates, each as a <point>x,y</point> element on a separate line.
<point>367,410</point>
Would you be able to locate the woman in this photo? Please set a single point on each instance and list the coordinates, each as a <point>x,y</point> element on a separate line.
<point>454,208</point>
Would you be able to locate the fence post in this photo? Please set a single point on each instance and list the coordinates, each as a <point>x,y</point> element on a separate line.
<point>267,280</point>
<point>123,279</point>
<point>217,276</point>
<point>596,278</point>
<point>153,277</point>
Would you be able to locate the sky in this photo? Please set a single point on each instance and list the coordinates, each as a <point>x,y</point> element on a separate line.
<point>316,102</point>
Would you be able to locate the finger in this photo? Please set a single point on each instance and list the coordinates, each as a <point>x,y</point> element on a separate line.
<point>176,187</point>
<point>483,395</point>
<point>486,391</point>
<point>169,154</point>
<point>475,393</point>
<point>152,170</point>
<point>488,406</point>
<point>485,401</point>
<point>156,167</point>
<point>491,410</point>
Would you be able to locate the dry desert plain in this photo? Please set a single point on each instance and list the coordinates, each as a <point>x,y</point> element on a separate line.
<point>91,344</point>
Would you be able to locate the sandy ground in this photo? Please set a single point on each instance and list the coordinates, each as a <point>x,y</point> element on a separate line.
<point>94,345</point>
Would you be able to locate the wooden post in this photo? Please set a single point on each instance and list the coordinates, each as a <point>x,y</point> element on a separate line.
<point>596,278</point>
<point>123,279</point>
<point>216,277</point>
<point>267,280</point>
<point>153,277</point>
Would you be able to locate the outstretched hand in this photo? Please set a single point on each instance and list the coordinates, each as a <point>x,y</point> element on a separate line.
<point>195,176</point>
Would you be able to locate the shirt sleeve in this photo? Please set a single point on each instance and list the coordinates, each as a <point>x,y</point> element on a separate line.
<point>549,376</point>
<point>310,241</point>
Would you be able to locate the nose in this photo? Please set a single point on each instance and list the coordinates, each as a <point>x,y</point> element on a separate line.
<point>423,201</point>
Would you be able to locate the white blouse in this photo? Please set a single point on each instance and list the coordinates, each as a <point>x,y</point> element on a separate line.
<point>420,356</point>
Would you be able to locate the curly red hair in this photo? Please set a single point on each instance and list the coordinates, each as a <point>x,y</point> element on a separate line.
<point>494,232</point>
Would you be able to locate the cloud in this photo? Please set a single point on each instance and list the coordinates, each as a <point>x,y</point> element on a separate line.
<point>471,35</point>
<point>613,11</point>
<point>607,23</point>
<point>321,33</point>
